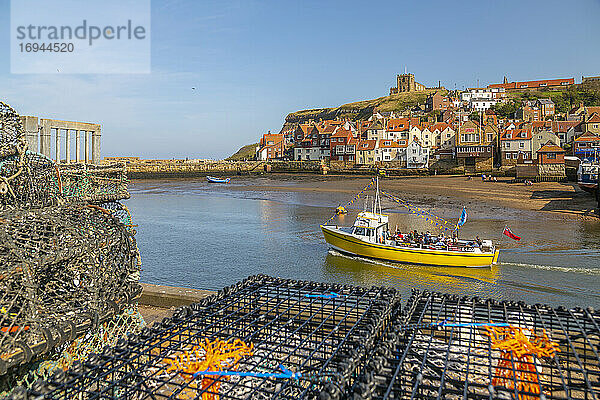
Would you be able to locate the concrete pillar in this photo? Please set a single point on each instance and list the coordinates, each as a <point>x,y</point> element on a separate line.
<point>86,135</point>
<point>45,139</point>
<point>77,147</point>
<point>96,146</point>
<point>31,131</point>
<point>68,146</point>
<point>57,145</point>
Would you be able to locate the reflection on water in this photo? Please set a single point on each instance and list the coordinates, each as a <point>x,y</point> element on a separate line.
<point>196,235</point>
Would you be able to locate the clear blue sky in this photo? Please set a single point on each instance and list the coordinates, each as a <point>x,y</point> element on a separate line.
<point>252,62</point>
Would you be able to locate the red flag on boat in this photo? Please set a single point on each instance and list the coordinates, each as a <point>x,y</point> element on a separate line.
<point>511,235</point>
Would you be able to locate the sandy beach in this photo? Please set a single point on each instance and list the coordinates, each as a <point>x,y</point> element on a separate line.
<point>560,199</point>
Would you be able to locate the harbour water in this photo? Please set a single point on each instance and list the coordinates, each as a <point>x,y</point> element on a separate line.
<point>194,234</point>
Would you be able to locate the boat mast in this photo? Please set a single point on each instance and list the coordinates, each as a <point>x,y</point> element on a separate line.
<point>378,197</point>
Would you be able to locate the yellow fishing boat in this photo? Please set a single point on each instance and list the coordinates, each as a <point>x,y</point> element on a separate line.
<point>370,236</point>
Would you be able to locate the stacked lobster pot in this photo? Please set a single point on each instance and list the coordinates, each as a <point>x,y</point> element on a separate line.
<point>445,346</point>
<point>262,338</point>
<point>69,262</point>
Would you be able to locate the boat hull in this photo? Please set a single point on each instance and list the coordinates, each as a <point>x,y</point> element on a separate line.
<point>211,179</point>
<point>349,244</point>
<point>588,187</point>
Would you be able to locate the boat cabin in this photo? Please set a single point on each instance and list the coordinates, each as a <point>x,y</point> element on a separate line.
<point>371,227</point>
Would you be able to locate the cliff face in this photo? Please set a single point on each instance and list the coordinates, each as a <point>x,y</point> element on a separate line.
<point>360,109</point>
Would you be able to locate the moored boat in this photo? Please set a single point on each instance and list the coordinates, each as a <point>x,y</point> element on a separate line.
<point>212,179</point>
<point>587,175</point>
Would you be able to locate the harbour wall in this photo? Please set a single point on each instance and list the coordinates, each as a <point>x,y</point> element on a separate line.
<point>159,169</point>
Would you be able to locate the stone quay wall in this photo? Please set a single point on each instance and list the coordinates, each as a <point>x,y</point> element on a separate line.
<point>158,169</point>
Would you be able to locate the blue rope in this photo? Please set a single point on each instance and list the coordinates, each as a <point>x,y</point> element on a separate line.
<point>331,295</point>
<point>444,323</point>
<point>284,374</point>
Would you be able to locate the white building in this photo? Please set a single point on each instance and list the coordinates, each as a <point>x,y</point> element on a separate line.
<point>310,153</point>
<point>480,99</point>
<point>482,104</point>
<point>416,156</point>
<point>483,94</point>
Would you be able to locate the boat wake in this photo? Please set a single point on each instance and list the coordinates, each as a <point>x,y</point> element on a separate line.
<point>364,259</point>
<point>584,271</point>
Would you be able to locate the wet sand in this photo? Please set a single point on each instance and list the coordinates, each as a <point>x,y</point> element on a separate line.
<point>561,199</point>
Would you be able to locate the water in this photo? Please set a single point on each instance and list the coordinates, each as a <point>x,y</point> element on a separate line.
<point>203,236</point>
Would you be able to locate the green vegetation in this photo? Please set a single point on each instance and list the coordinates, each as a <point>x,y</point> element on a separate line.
<point>248,152</point>
<point>506,110</point>
<point>564,99</point>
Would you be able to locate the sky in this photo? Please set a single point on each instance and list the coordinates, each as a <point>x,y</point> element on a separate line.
<point>225,72</point>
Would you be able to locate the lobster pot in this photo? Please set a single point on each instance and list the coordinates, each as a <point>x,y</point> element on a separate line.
<point>63,271</point>
<point>419,359</point>
<point>324,332</point>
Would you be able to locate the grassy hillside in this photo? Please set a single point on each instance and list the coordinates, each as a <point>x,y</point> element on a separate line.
<point>360,109</point>
<point>564,99</point>
<point>247,152</point>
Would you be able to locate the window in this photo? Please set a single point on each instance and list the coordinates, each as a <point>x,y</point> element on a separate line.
<point>508,156</point>
<point>270,142</point>
<point>351,158</point>
<point>521,145</point>
<point>339,149</point>
<point>551,156</point>
<point>509,135</point>
<point>387,143</point>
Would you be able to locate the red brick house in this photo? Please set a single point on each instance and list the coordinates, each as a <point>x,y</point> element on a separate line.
<point>271,147</point>
<point>437,101</point>
<point>550,153</point>
<point>342,146</point>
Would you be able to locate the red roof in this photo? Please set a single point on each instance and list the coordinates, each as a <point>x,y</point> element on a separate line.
<point>398,124</point>
<point>441,126</point>
<point>588,137</point>
<point>516,134</point>
<point>341,132</point>
<point>594,118</point>
<point>274,137</point>
<point>366,145</point>
<point>391,144</point>
<point>563,126</point>
<point>534,84</point>
<point>550,147</point>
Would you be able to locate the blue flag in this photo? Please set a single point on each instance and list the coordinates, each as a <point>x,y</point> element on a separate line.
<point>463,217</point>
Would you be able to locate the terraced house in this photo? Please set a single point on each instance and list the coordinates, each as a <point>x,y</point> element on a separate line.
<point>343,146</point>
<point>473,151</point>
<point>387,150</point>
<point>365,152</point>
<point>515,144</point>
